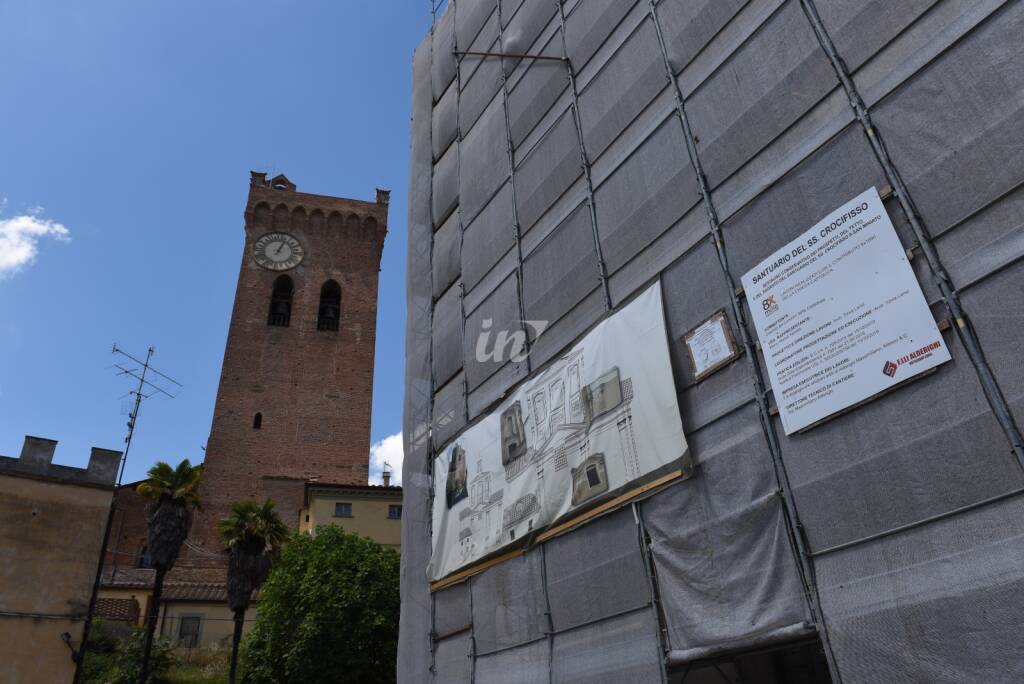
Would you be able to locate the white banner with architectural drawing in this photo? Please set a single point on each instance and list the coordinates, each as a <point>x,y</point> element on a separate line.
<point>600,420</point>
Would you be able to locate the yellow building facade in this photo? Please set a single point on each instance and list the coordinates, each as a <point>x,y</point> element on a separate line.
<point>192,616</point>
<point>367,510</point>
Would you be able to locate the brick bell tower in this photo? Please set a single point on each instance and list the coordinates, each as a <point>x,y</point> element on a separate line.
<point>297,381</point>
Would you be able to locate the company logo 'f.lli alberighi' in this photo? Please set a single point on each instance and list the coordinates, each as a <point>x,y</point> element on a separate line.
<point>913,357</point>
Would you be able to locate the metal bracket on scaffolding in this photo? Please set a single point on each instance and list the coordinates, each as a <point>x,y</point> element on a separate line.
<point>510,55</point>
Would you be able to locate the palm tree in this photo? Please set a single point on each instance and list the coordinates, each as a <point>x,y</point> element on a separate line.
<point>253,535</point>
<point>173,495</point>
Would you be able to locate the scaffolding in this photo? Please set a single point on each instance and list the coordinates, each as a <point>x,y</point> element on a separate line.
<point>682,141</point>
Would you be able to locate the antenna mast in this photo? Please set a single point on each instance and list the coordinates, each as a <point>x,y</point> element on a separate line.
<point>140,375</point>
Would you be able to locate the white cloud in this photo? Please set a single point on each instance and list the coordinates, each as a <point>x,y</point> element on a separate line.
<point>20,236</point>
<point>389,450</point>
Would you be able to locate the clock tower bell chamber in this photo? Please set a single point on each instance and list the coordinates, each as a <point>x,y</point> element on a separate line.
<point>295,391</point>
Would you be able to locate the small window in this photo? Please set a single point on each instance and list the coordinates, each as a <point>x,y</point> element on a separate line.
<point>455,486</point>
<point>605,393</point>
<point>540,414</point>
<point>257,421</point>
<point>575,404</point>
<point>540,407</point>
<point>329,314</point>
<point>342,510</point>
<point>281,302</point>
<point>395,511</point>
<point>593,479</point>
<point>557,390</point>
<point>513,434</point>
<point>189,630</point>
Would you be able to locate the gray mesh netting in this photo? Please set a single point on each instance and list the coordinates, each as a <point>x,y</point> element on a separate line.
<point>685,140</point>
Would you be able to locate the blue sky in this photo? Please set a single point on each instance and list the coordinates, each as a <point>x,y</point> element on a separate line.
<point>129,130</point>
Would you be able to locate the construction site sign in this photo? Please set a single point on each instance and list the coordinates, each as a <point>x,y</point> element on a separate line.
<point>840,314</point>
<point>597,423</point>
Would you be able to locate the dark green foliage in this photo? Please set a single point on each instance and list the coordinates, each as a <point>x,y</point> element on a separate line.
<point>173,495</point>
<point>129,659</point>
<point>252,535</point>
<point>116,659</point>
<point>327,613</point>
<point>103,643</point>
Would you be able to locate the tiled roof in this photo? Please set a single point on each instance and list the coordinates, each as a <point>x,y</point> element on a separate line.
<point>173,591</point>
<point>129,578</point>
<point>339,488</point>
<point>203,592</point>
<point>195,591</point>
<point>117,609</point>
<point>367,487</point>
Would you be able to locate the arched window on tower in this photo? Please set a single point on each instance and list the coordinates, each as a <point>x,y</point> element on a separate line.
<point>257,421</point>
<point>281,302</point>
<point>329,315</point>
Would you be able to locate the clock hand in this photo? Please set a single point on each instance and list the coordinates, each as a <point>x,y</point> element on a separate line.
<point>279,247</point>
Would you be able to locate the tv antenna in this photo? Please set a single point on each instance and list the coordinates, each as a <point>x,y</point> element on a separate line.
<point>139,370</point>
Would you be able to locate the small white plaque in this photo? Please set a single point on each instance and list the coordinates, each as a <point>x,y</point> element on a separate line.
<point>710,345</point>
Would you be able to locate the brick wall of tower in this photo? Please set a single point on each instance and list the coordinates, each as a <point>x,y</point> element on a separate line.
<point>313,388</point>
<point>127,531</point>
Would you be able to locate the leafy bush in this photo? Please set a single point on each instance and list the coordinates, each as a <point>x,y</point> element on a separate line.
<point>327,613</point>
<point>129,659</point>
<point>114,659</point>
<point>99,660</point>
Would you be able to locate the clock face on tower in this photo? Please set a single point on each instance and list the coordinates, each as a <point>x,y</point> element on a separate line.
<point>278,251</point>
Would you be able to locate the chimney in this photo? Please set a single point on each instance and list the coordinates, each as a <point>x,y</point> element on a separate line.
<point>387,478</point>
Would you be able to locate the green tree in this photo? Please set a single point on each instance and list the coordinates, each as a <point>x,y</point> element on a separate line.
<point>173,495</point>
<point>253,535</point>
<point>328,613</point>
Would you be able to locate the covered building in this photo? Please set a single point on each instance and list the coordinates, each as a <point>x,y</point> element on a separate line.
<point>568,156</point>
